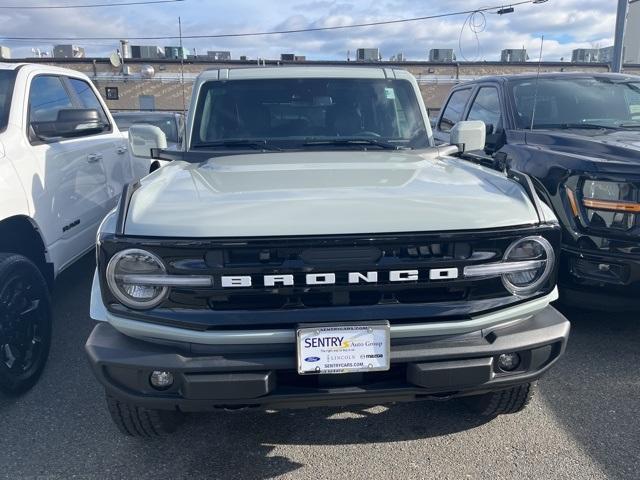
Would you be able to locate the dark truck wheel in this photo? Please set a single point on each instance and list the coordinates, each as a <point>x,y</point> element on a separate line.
<point>25,323</point>
<point>502,402</point>
<point>142,422</point>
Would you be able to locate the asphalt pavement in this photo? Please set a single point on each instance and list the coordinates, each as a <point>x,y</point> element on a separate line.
<point>584,422</point>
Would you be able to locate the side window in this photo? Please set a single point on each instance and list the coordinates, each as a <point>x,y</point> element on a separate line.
<point>88,97</point>
<point>454,109</point>
<point>47,96</point>
<point>486,107</point>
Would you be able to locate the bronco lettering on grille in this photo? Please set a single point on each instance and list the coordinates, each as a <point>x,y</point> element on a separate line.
<point>330,278</point>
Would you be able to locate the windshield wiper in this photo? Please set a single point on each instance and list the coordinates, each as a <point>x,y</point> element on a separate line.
<point>246,143</point>
<point>567,126</point>
<point>630,126</point>
<point>353,141</point>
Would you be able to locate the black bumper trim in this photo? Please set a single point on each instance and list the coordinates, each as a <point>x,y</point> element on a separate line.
<point>421,368</point>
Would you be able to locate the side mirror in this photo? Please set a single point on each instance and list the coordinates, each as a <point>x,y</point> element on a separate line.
<point>70,122</point>
<point>469,135</point>
<point>142,138</point>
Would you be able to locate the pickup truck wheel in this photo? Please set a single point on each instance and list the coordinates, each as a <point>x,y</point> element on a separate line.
<point>25,323</point>
<point>502,402</point>
<point>142,422</point>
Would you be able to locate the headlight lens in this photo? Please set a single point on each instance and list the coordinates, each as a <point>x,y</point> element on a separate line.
<point>127,264</point>
<point>610,204</point>
<point>538,252</point>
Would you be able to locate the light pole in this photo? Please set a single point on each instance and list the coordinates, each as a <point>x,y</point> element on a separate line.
<point>618,44</point>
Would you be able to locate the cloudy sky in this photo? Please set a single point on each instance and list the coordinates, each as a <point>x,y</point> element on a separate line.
<point>566,24</point>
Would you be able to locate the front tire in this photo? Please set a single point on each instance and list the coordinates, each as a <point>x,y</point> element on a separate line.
<point>502,402</point>
<point>136,421</point>
<point>25,323</point>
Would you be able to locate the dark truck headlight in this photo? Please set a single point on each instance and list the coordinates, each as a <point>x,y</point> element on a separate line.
<point>527,265</point>
<point>606,204</point>
<point>138,279</point>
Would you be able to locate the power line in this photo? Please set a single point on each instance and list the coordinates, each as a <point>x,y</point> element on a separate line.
<point>92,5</point>
<point>284,32</point>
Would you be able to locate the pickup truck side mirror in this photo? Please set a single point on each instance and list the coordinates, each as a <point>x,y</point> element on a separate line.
<point>71,122</point>
<point>142,138</point>
<point>469,135</point>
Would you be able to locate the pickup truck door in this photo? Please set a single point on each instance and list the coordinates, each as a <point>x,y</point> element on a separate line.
<point>112,146</point>
<point>69,185</point>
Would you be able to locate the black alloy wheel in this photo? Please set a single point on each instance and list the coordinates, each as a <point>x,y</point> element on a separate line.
<point>25,323</point>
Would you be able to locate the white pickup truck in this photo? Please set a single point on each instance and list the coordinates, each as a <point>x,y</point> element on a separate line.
<point>63,165</point>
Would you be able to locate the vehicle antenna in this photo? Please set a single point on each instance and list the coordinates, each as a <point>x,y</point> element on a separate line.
<point>184,102</point>
<point>535,94</point>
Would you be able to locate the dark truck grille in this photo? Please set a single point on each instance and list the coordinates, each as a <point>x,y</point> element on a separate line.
<point>258,304</point>
<point>298,261</point>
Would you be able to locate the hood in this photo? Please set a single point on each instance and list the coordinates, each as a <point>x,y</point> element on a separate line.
<point>324,193</point>
<point>614,147</point>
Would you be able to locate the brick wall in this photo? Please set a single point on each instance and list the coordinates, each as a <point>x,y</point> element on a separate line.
<point>435,79</point>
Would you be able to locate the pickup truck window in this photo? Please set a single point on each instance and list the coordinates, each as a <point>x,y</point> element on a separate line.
<point>577,102</point>
<point>47,96</point>
<point>486,107</point>
<point>7,79</point>
<point>293,112</point>
<point>88,97</point>
<point>453,111</point>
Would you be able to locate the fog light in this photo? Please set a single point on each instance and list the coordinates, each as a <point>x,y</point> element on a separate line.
<point>508,361</point>
<point>161,380</point>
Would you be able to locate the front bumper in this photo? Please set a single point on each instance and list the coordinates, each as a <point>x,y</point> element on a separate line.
<point>230,376</point>
<point>596,280</point>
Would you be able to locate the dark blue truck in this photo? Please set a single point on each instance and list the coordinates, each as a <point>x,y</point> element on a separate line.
<point>577,135</point>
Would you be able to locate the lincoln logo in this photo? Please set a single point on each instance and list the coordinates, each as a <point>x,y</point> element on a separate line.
<point>289,280</point>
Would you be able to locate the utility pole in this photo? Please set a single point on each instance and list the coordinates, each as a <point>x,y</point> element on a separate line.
<point>618,45</point>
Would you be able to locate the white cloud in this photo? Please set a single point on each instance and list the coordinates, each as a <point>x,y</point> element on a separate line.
<point>567,24</point>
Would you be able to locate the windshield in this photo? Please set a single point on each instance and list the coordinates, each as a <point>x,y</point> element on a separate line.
<point>577,102</point>
<point>7,79</point>
<point>309,112</point>
<point>166,123</point>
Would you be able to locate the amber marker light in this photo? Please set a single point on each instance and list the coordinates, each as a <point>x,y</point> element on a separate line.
<point>612,206</point>
<point>572,201</point>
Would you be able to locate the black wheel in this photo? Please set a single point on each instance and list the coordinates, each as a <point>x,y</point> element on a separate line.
<point>25,323</point>
<point>502,402</point>
<point>142,422</point>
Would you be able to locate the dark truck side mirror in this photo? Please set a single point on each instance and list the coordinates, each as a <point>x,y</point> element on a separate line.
<point>70,123</point>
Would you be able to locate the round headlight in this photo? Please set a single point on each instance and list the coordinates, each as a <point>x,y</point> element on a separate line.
<point>539,252</point>
<point>125,277</point>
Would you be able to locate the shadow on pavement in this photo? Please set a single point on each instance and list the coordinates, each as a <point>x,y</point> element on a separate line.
<point>594,391</point>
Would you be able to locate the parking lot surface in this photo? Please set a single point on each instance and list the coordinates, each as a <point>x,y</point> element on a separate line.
<point>583,423</point>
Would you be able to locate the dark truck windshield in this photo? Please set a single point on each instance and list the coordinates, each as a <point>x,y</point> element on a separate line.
<point>7,79</point>
<point>588,102</point>
<point>165,122</point>
<point>304,112</point>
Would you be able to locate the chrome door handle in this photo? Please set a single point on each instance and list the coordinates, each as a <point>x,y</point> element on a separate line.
<point>121,150</point>
<point>94,157</point>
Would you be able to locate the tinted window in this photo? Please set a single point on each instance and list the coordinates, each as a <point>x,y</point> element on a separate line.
<point>454,109</point>
<point>486,107</point>
<point>46,97</point>
<point>7,79</point>
<point>88,97</point>
<point>294,111</point>
<point>571,102</point>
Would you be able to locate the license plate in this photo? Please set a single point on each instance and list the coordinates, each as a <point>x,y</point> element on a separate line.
<point>334,349</point>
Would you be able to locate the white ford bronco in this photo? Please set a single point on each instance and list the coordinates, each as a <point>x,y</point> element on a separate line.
<point>63,165</point>
<point>311,246</point>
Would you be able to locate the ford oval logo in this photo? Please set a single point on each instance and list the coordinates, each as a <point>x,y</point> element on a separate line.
<point>312,359</point>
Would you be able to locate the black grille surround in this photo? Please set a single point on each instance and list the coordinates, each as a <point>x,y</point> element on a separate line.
<point>423,300</point>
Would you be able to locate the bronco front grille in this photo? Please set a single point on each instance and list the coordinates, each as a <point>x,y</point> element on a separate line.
<point>433,292</point>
